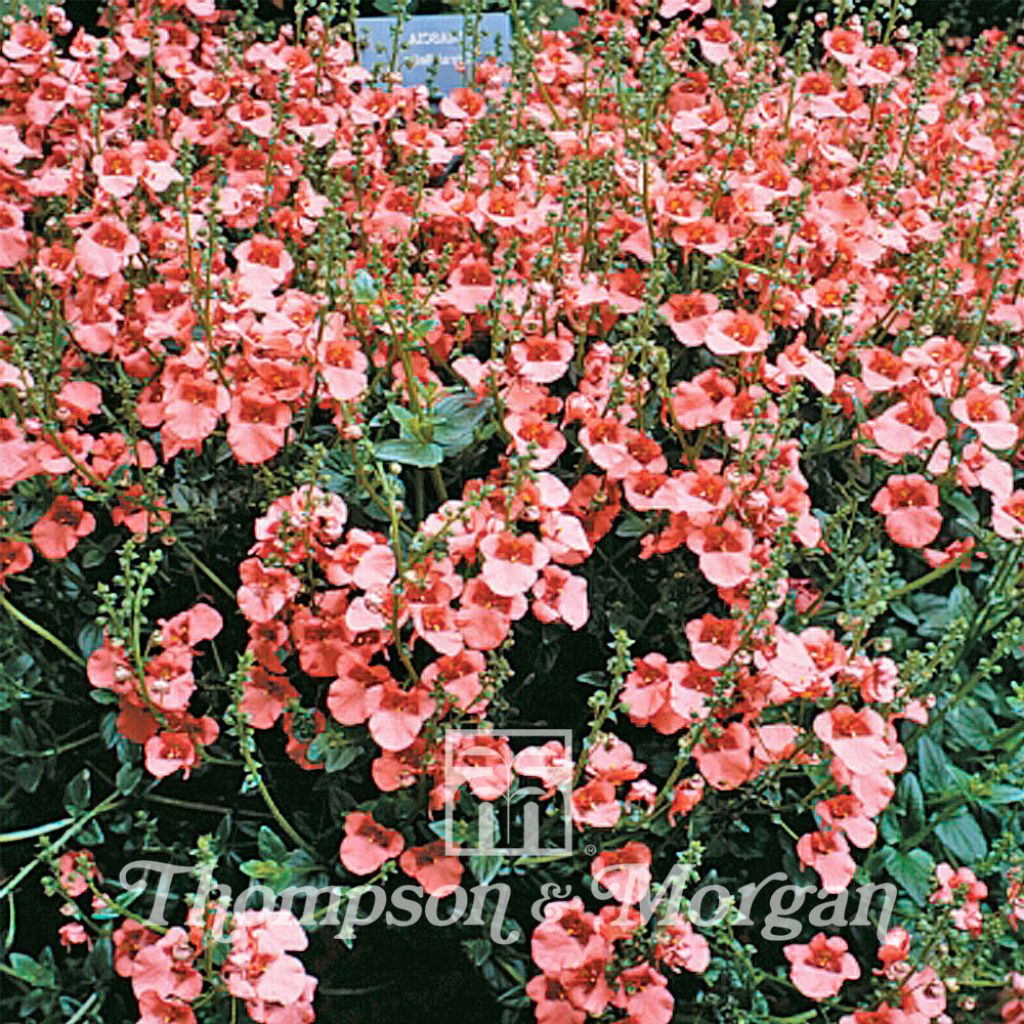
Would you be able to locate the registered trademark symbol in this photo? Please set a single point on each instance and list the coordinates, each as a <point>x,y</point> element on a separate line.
<point>590,849</point>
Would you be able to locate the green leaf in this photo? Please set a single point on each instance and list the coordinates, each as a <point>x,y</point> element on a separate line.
<point>34,973</point>
<point>271,847</point>
<point>364,288</point>
<point>410,453</point>
<point>77,793</point>
<point>912,872</point>
<point>970,728</point>
<point>912,801</point>
<point>486,868</point>
<point>963,837</point>
<point>936,767</point>
<point>1003,794</point>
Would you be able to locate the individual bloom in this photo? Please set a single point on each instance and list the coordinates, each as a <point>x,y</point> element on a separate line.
<point>542,358</point>
<point>647,687</point>
<point>828,854</point>
<point>264,592</point>
<point>894,951</point>
<point>397,715</point>
<point>463,104</point>
<point>169,752</point>
<point>154,1009</point>
<point>77,869</point>
<point>625,873</point>
<point>733,332</point>
<point>984,410</point>
<point>117,171</point>
<point>857,738</point>
<point>553,1006</point>
<point>715,38</point>
<point>166,968</point>
<point>626,290</point>
<point>255,116</point>
<point>643,993</point>
<point>14,238</point>
<point>169,682</point>
<point>485,617</point>
<point>263,264</point>
<point>910,506</point>
<point>685,797</point>
<point>15,557</point>
<point>265,697</point>
<point>62,526</point>
<point>566,938</point>
<point>74,934</point>
<point>432,867</point>
<point>844,46</point>
<point>723,553</point>
<point>846,813</point>
<point>713,641</point>
<point>459,676</point>
<point>923,993</point>
<point>256,426</point>
<point>194,407</point>
<point>1008,516</point>
<point>512,562</point>
<point>470,284</point>
<point>726,760</point>
<point>595,805</point>
<point>611,759</point>
<point>551,764</point>
<point>559,596</point>
<point>688,316</point>
<point>367,845</point>
<point>105,248</point>
<point>586,985</point>
<point>908,426</point>
<point>681,948</point>
<point>821,968</point>
<point>191,627</point>
<point>484,762</point>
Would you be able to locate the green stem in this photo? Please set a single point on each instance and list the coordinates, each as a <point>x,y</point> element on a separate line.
<point>42,631</point>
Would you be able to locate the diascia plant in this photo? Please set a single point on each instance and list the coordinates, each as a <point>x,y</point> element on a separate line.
<point>664,385</point>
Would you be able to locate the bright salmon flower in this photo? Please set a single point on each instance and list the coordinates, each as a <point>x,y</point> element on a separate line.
<point>60,529</point>
<point>367,845</point>
<point>821,968</point>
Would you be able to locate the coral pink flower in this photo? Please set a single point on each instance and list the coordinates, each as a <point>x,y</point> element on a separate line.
<point>566,938</point>
<point>984,409</point>
<point>731,332</point>
<point>559,596</point>
<point>60,529</point>
<point>726,760</point>
<point>681,948</point>
<point>105,248</point>
<point>857,738</point>
<point>829,854</point>
<point>625,872</point>
<point>595,805</point>
<point>821,968</point>
<point>367,845</point>
<point>1008,516</point>
<point>910,506</point>
<point>438,873</point>
<point>512,563</point>
<point>396,716</point>
<point>263,263</point>
<point>723,553</point>
<point>713,641</point>
<point>15,557</point>
<point>715,39</point>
